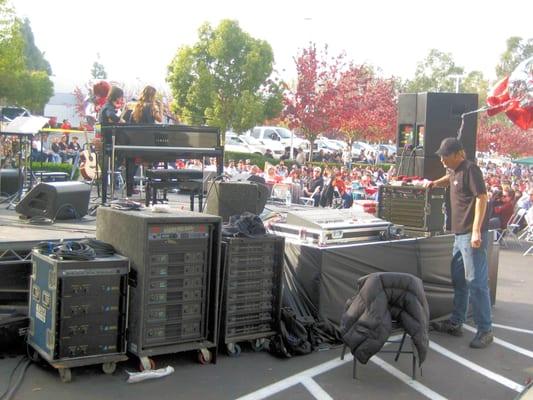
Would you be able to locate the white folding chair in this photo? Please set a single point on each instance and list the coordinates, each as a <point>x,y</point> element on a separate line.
<point>279,191</point>
<point>527,235</point>
<point>512,229</point>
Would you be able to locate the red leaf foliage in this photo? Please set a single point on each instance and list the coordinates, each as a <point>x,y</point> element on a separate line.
<point>331,96</point>
<point>365,105</point>
<point>311,105</point>
<point>503,138</point>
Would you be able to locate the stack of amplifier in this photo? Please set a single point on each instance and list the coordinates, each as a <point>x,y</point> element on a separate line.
<point>251,290</point>
<point>175,260</point>
<point>417,208</point>
<point>78,311</point>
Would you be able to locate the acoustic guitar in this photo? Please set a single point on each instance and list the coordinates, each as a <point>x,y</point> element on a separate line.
<point>89,168</point>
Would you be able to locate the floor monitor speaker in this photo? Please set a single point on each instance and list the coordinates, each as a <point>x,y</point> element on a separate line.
<point>233,198</point>
<point>10,181</point>
<point>56,200</point>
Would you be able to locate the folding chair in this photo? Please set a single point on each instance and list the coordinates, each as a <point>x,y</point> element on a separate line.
<point>527,235</point>
<point>398,351</point>
<point>512,229</point>
<point>279,191</point>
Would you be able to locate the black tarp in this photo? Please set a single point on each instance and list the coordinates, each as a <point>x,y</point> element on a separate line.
<point>320,279</point>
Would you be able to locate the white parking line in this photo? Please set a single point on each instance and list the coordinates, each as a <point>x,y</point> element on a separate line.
<point>305,378</point>
<point>512,328</point>
<point>315,389</point>
<point>504,343</point>
<point>422,389</point>
<point>477,368</point>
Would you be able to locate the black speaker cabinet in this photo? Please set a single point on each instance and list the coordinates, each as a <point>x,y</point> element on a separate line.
<point>427,167</point>
<point>425,119</point>
<point>56,200</point>
<point>438,116</point>
<point>406,122</point>
<point>10,181</point>
<point>233,198</point>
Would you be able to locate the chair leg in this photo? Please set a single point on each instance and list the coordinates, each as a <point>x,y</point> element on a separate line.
<point>354,373</point>
<point>343,351</point>
<point>400,348</point>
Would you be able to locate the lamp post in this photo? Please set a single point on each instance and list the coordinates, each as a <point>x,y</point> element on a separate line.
<point>458,78</point>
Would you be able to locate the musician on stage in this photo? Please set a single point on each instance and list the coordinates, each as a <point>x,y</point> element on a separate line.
<point>115,101</point>
<point>148,109</point>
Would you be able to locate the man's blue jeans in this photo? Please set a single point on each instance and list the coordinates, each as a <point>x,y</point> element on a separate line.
<point>470,279</point>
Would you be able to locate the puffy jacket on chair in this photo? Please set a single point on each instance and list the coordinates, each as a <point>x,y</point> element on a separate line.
<point>381,298</point>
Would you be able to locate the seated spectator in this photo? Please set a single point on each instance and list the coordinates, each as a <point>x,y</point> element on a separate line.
<point>54,150</point>
<point>526,201</point>
<point>314,186</point>
<point>271,176</point>
<point>346,196</point>
<point>504,207</point>
<point>231,169</point>
<point>256,175</point>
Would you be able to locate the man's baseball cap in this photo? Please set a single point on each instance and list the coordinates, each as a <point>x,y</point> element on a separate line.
<point>449,146</point>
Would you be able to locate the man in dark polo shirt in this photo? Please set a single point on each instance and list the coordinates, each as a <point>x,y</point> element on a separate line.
<point>469,267</point>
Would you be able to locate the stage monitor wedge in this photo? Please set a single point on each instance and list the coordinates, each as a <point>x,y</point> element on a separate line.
<point>233,198</point>
<point>56,200</point>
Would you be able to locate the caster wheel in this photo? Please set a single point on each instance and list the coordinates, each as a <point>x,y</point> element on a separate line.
<point>109,367</point>
<point>65,375</point>
<point>146,364</point>
<point>233,350</point>
<point>258,345</point>
<point>204,356</point>
<point>33,355</point>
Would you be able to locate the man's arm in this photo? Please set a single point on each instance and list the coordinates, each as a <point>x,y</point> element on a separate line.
<point>479,216</point>
<point>441,182</point>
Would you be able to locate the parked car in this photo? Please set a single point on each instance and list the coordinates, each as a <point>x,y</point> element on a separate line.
<point>269,134</point>
<point>358,146</point>
<point>248,144</point>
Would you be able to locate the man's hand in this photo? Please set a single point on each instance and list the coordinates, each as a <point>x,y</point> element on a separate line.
<point>475,242</point>
<point>429,184</point>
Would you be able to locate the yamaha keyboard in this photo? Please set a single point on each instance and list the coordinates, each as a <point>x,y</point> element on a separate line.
<point>154,142</point>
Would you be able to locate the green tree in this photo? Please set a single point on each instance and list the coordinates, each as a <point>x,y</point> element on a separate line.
<point>433,74</point>
<point>222,80</point>
<point>11,49</point>
<point>24,72</point>
<point>518,50</point>
<point>475,82</point>
<point>33,57</point>
<point>34,89</point>
<point>98,70</point>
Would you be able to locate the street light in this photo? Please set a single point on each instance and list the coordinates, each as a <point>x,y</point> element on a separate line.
<point>458,78</point>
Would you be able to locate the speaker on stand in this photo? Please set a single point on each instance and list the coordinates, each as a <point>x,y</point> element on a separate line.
<point>424,120</point>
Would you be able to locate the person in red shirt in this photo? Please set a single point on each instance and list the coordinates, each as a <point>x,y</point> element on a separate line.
<point>505,209</point>
<point>340,185</point>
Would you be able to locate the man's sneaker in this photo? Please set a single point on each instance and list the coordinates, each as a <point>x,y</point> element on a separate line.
<point>482,340</point>
<point>447,326</point>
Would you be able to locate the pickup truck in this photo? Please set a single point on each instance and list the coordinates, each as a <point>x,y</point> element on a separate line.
<point>270,134</point>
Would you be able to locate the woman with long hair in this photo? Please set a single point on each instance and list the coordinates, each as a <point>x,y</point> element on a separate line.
<point>148,109</point>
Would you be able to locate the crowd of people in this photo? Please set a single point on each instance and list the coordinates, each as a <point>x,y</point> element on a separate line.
<point>58,147</point>
<point>510,189</point>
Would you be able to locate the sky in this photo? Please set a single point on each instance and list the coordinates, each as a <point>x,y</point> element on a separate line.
<point>136,40</point>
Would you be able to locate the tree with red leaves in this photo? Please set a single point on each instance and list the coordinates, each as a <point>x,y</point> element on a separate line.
<point>365,105</point>
<point>311,106</point>
<point>503,138</point>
